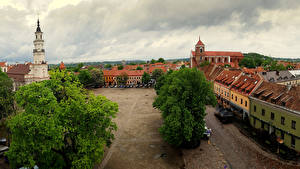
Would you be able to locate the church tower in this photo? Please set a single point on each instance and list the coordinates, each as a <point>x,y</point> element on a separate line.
<point>199,51</point>
<point>39,66</point>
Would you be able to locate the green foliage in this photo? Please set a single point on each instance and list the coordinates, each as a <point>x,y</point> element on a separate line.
<point>205,63</point>
<point>153,61</point>
<point>253,60</point>
<point>122,78</point>
<point>85,78</point>
<point>132,63</point>
<point>157,73</point>
<point>182,98</point>
<point>227,65</point>
<point>161,60</point>
<point>139,68</point>
<point>6,96</point>
<point>146,78</point>
<point>182,66</point>
<point>120,67</point>
<point>289,67</point>
<point>108,66</point>
<point>97,77</point>
<point>78,67</point>
<point>61,126</point>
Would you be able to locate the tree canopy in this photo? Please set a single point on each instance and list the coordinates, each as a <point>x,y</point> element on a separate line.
<point>122,78</point>
<point>139,68</point>
<point>182,97</point>
<point>146,78</point>
<point>61,125</point>
<point>6,96</point>
<point>157,73</point>
<point>120,67</point>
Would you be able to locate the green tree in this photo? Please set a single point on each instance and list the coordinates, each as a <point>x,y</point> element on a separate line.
<point>139,68</point>
<point>157,73</point>
<point>146,78</point>
<point>78,67</point>
<point>182,66</point>
<point>182,99</point>
<point>205,63</point>
<point>97,77</point>
<point>152,61</point>
<point>122,78</point>
<point>161,60</point>
<point>85,78</point>
<point>6,96</point>
<point>107,66</point>
<point>120,67</point>
<point>62,126</point>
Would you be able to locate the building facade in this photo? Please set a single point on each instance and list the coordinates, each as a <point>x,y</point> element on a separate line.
<point>275,108</point>
<point>3,66</point>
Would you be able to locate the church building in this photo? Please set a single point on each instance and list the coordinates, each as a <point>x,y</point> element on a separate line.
<point>27,73</point>
<point>217,57</point>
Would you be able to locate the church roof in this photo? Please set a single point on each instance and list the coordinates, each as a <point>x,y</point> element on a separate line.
<point>222,53</point>
<point>19,69</point>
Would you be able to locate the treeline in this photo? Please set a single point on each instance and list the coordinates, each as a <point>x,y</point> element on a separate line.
<point>253,60</point>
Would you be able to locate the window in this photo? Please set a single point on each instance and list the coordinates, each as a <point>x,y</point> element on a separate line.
<point>282,135</point>
<point>272,116</point>
<point>282,120</point>
<point>235,98</point>
<point>293,124</point>
<point>246,103</point>
<point>241,101</point>
<point>263,112</point>
<point>262,125</point>
<point>254,108</point>
<point>232,96</point>
<point>254,122</point>
<point>293,141</point>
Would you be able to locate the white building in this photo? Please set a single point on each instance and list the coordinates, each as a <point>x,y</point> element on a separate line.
<point>31,72</point>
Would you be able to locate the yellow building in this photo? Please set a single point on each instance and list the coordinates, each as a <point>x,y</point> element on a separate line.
<point>223,83</point>
<point>240,91</point>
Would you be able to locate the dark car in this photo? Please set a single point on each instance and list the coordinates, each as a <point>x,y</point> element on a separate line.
<point>225,115</point>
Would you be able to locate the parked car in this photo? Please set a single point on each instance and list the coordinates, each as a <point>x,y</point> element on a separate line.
<point>225,115</point>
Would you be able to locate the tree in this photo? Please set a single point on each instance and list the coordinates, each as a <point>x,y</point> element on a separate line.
<point>146,78</point>
<point>161,60</point>
<point>120,67</point>
<point>97,77</point>
<point>152,61</point>
<point>107,66</point>
<point>157,73</point>
<point>62,126</point>
<point>78,67</point>
<point>139,68</point>
<point>122,78</point>
<point>182,99</point>
<point>205,63</point>
<point>85,78</point>
<point>182,66</point>
<point>6,96</point>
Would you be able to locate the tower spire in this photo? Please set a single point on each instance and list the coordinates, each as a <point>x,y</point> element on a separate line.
<point>38,29</point>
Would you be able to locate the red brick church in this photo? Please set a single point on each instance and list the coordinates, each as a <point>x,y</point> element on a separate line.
<point>217,57</point>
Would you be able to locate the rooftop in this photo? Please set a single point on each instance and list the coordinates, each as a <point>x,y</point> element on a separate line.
<point>281,95</point>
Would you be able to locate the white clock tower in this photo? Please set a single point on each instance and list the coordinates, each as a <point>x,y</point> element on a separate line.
<point>39,66</point>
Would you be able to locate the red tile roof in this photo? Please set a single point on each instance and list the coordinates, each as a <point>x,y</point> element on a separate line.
<point>19,69</point>
<point>119,72</point>
<point>223,53</point>
<point>200,42</point>
<point>245,84</point>
<point>280,95</point>
<point>227,77</point>
<point>2,64</point>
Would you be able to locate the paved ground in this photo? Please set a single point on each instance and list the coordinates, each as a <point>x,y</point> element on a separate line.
<point>138,143</point>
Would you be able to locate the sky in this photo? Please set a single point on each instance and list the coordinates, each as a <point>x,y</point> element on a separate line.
<point>110,30</point>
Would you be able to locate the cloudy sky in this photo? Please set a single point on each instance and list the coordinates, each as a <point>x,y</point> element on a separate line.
<point>99,30</point>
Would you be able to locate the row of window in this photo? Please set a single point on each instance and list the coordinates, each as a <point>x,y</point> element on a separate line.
<point>130,77</point>
<point>241,100</point>
<point>272,117</point>
<point>293,141</point>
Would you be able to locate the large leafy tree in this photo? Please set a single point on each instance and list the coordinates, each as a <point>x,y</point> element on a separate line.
<point>6,96</point>
<point>85,78</point>
<point>182,99</point>
<point>122,78</point>
<point>97,77</point>
<point>157,73</point>
<point>61,125</point>
<point>146,78</point>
